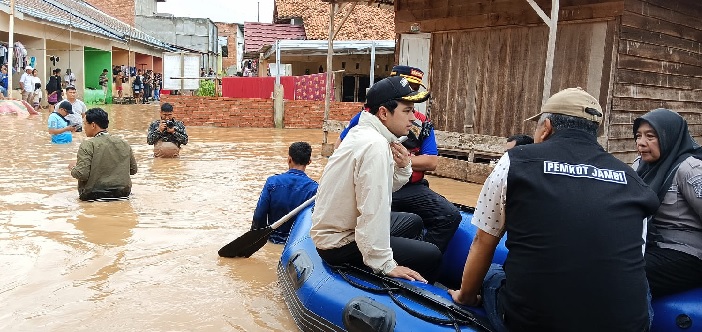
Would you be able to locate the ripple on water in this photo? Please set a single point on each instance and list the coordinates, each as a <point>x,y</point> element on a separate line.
<point>149,263</point>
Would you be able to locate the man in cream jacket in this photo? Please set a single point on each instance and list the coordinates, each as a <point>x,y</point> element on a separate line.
<point>351,222</point>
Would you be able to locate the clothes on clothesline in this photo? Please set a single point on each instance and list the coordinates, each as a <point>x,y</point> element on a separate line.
<point>20,57</point>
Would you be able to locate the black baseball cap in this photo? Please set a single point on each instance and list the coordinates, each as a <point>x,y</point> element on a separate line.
<point>66,106</point>
<point>394,88</point>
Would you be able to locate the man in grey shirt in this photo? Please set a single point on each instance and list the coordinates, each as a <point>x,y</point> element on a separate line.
<point>78,108</point>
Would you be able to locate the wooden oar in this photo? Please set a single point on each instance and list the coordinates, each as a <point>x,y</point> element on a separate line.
<point>249,243</point>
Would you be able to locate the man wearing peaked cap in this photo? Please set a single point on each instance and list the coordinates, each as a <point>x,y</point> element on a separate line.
<point>440,217</point>
<point>351,222</point>
<point>413,75</point>
<point>575,219</point>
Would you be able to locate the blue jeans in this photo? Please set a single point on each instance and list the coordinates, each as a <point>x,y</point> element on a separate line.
<point>494,280</point>
<point>157,94</point>
<point>3,91</point>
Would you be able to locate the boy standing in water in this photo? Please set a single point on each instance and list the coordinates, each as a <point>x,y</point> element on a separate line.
<point>59,127</point>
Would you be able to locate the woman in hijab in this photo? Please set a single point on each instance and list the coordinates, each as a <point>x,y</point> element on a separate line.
<point>670,161</point>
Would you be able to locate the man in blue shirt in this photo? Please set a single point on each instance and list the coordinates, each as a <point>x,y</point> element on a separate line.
<point>58,125</point>
<point>441,218</point>
<point>282,193</point>
<point>3,81</point>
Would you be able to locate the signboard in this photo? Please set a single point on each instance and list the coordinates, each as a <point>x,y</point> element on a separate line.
<point>181,71</point>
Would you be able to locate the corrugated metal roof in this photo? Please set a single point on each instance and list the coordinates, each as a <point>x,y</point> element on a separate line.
<point>319,47</point>
<point>82,16</point>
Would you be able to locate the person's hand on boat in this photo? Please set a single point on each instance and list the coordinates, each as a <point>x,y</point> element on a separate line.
<point>406,273</point>
<point>400,155</point>
<point>473,301</point>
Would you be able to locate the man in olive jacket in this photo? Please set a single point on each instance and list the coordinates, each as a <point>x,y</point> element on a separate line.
<point>104,163</point>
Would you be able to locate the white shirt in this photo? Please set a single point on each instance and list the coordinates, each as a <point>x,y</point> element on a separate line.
<point>36,80</point>
<point>355,192</point>
<point>70,79</point>
<point>28,82</point>
<point>489,213</point>
<point>78,109</point>
<point>3,51</point>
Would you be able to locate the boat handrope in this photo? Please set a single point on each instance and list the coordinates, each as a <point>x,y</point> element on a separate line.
<point>466,318</point>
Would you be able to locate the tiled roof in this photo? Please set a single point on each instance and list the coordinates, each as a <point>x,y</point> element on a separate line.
<point>257,35</point>
<point>380,2</point>
<point>364,23</point>
<point>79,15</point>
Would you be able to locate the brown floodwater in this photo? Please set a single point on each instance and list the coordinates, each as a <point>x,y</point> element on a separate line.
<point>149,263</point>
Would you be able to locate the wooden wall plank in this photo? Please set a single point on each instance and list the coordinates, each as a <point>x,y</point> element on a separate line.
<point>661,39</point>
<point>642,64</point>
<point>658,93</point>
<point>661,53</point>
<point>662,10</point>
<point>517,74</point>
<point>692,8</point>
<point>645,105</point>
<point>657,25</point>
<point>609,76</point>
<point>657,79</point>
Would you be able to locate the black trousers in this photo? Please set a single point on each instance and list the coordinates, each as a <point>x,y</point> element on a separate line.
<point>407,250</point>
<point>670,271</point>
<point>441,218</point>
<point>105,193</point>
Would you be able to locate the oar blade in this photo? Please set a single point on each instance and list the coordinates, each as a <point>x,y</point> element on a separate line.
<point>247,244</point>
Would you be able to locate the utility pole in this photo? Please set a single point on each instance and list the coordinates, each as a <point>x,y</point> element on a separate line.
<point>11,47</point>
<point>258,11</point>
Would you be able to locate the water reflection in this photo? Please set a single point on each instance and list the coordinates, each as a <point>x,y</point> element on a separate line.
<point>149,263</point>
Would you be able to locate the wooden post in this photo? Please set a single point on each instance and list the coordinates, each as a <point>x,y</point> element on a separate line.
<point>343,20</point>
<point>372,68</point>
<point>11,48</point>
<point>330,52</point>
<point>548,73</point>
<point>278,103</point>
<point>552,24</point>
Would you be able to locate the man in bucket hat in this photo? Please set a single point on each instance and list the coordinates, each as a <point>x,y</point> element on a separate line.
<point>440,217</point>
<point>351,222</point>
<point>575,222</point>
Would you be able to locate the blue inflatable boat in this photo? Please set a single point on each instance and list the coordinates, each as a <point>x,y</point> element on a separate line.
<point>325,298</point>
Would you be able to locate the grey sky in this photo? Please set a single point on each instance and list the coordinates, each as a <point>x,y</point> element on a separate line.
<point>230,11</point>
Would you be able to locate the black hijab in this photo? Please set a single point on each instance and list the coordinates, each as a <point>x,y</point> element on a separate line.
<point>675,145</point>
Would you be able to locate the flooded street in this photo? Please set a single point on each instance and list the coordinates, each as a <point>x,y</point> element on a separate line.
<point>149,263</point>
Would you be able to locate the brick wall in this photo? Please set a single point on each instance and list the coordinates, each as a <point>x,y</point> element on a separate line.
<point>122,10</point>
<point>228,30</point>
<point>221,111</point>
<point>254,113</point>
<point>310,114</point>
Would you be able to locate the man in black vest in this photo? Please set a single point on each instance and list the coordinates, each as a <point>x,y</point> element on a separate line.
<point>575,222</point>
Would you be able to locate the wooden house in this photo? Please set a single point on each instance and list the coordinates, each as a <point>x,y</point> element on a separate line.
<point>487,61</point>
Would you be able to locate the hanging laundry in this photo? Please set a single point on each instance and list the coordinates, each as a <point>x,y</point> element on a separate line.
<point>20,53</point>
